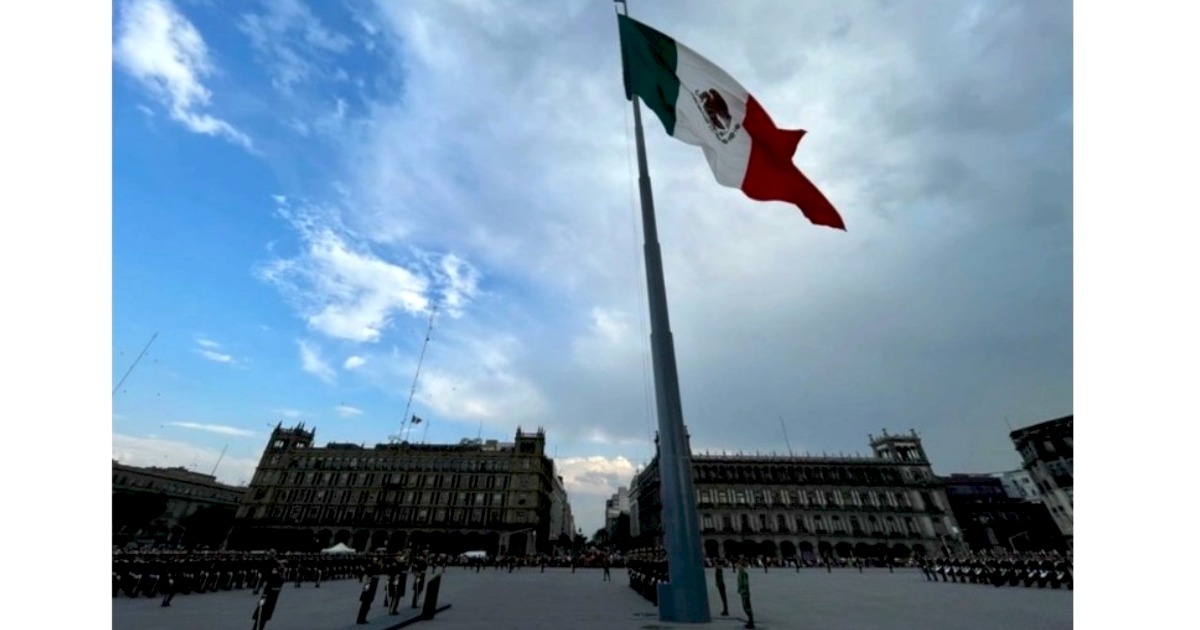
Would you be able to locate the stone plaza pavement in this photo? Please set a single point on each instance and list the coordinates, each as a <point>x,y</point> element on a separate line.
<point>560,600</point>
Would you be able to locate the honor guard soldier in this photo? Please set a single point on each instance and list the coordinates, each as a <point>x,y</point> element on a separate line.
<point>399,578</point>
<point>272,585</point>
<point>418,568</point>
<point>169,588</point>
<point>721,587</point>
<point>743,587</point>
<point>368,595</point>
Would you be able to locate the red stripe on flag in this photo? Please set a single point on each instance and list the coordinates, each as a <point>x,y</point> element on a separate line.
<point>771,175</point>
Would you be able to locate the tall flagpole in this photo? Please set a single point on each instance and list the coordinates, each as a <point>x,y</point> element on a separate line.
<point>685,598</point>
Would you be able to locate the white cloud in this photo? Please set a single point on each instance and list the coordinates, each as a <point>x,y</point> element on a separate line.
<point>163,51</point>
<point>293,41</point>
<point>589,482</point>
<point>347,290</point>
<point>209,350</point>
<point>153,451</point>
<point>288,413</point>
<point>216,356</point>
<point>346,411</point>
<point>354,362</point>
<point>214,428</point>
<point>311,362</point>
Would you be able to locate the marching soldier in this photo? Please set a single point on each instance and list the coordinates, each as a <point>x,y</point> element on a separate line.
<point>721,587</point>
<point>169,588</point>
<point>272,584</point>
<point>743,586</point>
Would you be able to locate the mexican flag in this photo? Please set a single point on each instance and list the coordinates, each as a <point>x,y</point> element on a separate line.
<point>701,104</point>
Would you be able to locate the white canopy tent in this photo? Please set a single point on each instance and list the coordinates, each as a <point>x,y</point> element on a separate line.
<point>339,548</point>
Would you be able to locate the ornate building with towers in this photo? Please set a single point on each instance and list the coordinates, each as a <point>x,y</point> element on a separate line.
<point>448,498</point>
<point>889,504</point>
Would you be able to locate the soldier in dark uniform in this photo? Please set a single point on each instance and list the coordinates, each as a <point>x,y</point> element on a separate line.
<point>743,586</point>
<point>418,568</point>
<point>397,584</point>
<point>368,594</point>
<point>169,587</point>
<point>272,584</point>
<point>721,587</point>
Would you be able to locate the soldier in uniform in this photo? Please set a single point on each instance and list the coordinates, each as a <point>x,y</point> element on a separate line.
<point>721,587</point>
<point>418,567</point>
<point>368,594</point>
<point>169,587</point>
<point>743,587</point>
<point>272,584</point>
<point>399,578</point>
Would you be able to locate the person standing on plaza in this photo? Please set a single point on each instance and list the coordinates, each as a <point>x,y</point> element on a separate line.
<point>607,565</point>
<point>368,594</point>
<point>743,587</point>
<point>721,587</point>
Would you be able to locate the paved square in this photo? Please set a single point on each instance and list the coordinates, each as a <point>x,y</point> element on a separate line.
<point>527,599</point>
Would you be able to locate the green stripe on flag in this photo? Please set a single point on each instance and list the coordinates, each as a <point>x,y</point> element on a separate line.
<point>650,59</point>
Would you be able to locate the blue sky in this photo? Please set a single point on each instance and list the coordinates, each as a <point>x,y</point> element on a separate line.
<point>294,185</point>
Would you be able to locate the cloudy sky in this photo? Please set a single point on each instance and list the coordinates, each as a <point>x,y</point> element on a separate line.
<point>296,185</point>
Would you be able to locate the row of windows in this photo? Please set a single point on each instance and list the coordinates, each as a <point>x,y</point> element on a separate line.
<point>418,480</point>
<point>783,473</point>
<point>123,481</point>
<point>391,497</point>
<point>805,524</point>
<point>795,496</point>
<point>393,516</point>
<point>393,462</point>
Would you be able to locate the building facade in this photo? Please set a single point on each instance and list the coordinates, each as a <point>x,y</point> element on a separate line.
<point>448,498</point>
<point>1048,454</point>
<point>154,505</point>
<point>990,519</point>
<point>890,504</point>
<point>562,522</point>
<point>1019,485</point>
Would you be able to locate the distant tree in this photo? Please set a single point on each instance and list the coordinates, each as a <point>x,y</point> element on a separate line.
<point>580,542</point>
<point>563,542</point>
<point>600,538</point>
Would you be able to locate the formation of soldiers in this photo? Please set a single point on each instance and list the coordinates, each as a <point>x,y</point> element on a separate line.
<point>1003,569</point>
<point>167,573</point>
<point>647,569</point>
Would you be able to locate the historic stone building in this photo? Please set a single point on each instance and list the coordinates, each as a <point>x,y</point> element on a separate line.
<point>172,494</point>
<point>991,519</point>
<point>475,495</point>
<point>784,506</point>
<point>1048,455</point>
